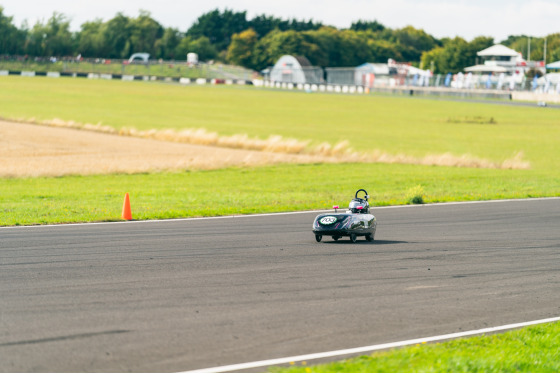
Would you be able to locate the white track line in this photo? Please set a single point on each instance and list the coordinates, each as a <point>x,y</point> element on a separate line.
<point>279,214</point>
<point>371,348</point>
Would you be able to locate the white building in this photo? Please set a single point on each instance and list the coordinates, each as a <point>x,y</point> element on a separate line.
<point>366,74</point>
<point>501,59</point>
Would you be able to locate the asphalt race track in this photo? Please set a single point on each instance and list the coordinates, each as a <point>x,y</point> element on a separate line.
<point>192,294</point>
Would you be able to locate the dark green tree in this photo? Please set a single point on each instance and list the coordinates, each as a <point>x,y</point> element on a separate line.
<point>144,32</point>
<point>278,43</point>
<point>89,41</point>
<point>263,24</point>
<point>116,37</point>
<point>50,39</point>
<point>218,27</point>
<point>12,39</point>
<point>167,45</point>
<point>476,45</point>
<point>206,51</point>
<point>363,25</point>
<point>382,50</point>
<point>412,42</point>
<point>455,55</point>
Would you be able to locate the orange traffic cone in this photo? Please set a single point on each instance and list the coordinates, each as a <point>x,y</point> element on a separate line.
<point>126,213</point>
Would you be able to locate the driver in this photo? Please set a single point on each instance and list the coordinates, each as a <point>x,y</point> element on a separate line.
<point>359,206</point>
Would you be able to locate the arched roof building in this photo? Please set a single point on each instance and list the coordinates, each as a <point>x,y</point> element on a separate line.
<point>295,69</point>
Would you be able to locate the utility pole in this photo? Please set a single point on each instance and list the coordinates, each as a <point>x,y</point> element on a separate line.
<point>544,56</point>
<point>528,49</point>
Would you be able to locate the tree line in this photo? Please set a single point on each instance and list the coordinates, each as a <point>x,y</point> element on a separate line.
<point>255,43</point>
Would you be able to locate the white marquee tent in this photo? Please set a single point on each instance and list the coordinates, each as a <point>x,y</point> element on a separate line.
<point>554,65</point>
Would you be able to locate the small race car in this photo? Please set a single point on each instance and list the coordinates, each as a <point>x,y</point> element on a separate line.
<point>356,221</point>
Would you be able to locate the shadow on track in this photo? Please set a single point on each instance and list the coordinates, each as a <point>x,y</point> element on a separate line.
<point>364,242</point>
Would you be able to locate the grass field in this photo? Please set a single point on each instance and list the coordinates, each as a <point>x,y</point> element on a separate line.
<point>533,349</point>
<point>411,126</point>
<point>25,201</point>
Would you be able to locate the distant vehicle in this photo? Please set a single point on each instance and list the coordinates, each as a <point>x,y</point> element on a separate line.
<point>192,58</point>
<point>357,221</point>
<point>139,57</point>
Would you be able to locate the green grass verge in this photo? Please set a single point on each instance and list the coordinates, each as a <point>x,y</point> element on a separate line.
<point>413,126</point>
<point>28,201</point>
<point>531,349</point>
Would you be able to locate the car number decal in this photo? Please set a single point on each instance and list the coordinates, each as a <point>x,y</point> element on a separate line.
<point>328,220</point>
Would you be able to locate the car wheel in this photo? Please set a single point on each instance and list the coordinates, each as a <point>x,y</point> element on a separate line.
<point>369,237</point>
<point>318,237</point>
<point>353,238</point>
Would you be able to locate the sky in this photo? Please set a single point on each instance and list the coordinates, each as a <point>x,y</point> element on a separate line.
<point>465,18</point>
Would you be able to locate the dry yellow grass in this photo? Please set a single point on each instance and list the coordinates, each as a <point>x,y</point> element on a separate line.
<point>274,145</point>
<point>29,151</point>
<point>448,159</point>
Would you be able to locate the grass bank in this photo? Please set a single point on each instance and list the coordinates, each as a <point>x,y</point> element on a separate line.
<point>29,201</point>
<point>532,349</point>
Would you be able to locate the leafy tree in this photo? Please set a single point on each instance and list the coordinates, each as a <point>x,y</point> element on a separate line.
<point>435,59</point>
<point>383,50</point>
<point>477,44</point>
<point>263,24</point>
<point>363,25</point>
<point>144,32</point>
<point>296,25</point>
<point>116,37</point>
<point>50,39</point>
<point>278,43</point>
<point>12,40</point>
<point>183,48</point>
<point>201,46</point>
<point>218,27</point>
<point>329,51</point>
<point>412,42</point>
<point>520,44</point>
<point>205,50</point>
<point>89,41</point>
<point>553,48</point>
<point>240,51</point>
<point>354,49</point>
<point>167,45</point>
<point>256,43</point>
<point>455,55</point>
